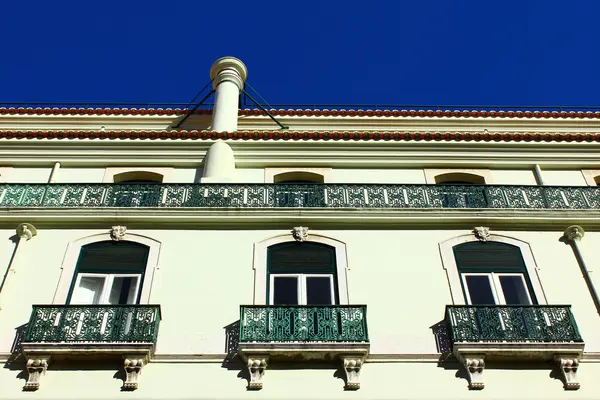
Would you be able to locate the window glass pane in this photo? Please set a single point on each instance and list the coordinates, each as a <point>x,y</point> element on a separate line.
<point>123,290</point>
<point>480,290</point>
<point>89,290</point>
<point>318,290</point>
<point>514,289</point>
<point>285,290</point>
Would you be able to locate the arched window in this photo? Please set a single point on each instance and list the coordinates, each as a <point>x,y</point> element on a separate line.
<point>133,177</point>
<point>299,189</point>
<point>302,273</point>
<point>459,178</point>
<point>109,272</point>
<point>493,273</point>
<point>500,270</point>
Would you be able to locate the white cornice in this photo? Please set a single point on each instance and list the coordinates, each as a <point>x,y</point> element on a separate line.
<point>260,154</point>
<point>317,218</point>
<point>316,123</point>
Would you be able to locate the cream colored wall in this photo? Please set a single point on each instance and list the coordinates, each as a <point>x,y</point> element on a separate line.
<point>79,175</point>
<point>376,176</point>
<point>198,270</point>
<point>26,175</point>
<point>205,275</point>
<point>410,380</point>
<point>512,177</point>
<point>563,178</point>
<point>257,175</point>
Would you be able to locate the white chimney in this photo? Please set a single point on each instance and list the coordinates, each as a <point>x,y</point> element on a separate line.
<point>228,75</point>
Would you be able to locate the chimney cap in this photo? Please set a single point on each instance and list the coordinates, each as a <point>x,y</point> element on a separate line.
<point>228,68</point>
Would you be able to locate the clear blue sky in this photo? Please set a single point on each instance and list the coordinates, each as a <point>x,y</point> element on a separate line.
<point>385,52</point>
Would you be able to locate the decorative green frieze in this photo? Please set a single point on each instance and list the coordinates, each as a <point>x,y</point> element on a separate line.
<point>297,195</point>
<point>512,324</point>
<point>93,323</point>
<point>303,324</point>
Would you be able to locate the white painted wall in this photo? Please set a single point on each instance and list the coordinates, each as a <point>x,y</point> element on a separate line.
<point>26,175</point>
<point>512,177</point>
<point>204,276</point>
<point>79,175</point>
<point>200,274</point>
<point>376,176</point>
<point>563,178</point>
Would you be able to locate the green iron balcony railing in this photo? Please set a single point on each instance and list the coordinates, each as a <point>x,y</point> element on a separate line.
<point>297,195</point>
<point>93,323</point>
<point>512,324</point>
<point>303,324</point>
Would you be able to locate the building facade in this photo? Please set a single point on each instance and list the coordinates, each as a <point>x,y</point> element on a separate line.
<point>409,254</point>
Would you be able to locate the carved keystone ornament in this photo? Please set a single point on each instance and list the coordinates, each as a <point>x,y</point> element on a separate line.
<point>482,233</point>
<point>118,233</point>
<point>300,233</point>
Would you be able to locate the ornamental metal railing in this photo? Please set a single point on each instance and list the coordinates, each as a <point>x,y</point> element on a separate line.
<point>512,324</point>
<point>93,323</point>
<point>303,324</point>
<point>89,195</point>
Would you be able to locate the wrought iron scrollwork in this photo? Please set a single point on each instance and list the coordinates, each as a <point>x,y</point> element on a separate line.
<point>297,196</point>
<point>94,323</point>
<point>512,324</point>
<point>303,323</point>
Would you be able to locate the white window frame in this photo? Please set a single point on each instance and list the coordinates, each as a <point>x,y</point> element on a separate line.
<point>259,264</point>
<point>453,276</point>
<point>108,283</point>
<point>496,286</point>
<point>72,256</point>
<point>302,301</point>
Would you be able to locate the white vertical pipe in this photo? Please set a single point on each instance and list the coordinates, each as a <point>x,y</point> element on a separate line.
<point>24,233</point>
<point>573,235</point>
<point>537,171</point>
<point>54,172</point>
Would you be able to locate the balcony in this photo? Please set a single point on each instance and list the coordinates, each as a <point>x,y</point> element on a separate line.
<point>509,333</point>
<point>297,196</point>
<point>68,332</point>
<point>303,333</point>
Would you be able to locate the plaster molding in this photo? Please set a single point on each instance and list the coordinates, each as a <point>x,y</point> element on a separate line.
<point>507,219</point>
<point>26,231</point>
<point>133,365</point>
<point>72,255</point>
<point>257,364</point>
<point>299,233</point>
<point>36,368</point>
<point>574,233</point>
<point>352,365</point>
<point>228,69</point>
<point>117,233</point>
<point>453,276</point>
<point>482,233</point>
<point>568,365</point>
<point>474,365</point>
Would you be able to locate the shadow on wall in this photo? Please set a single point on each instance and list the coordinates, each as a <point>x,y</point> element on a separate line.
<point>442,337</point>
<point>198,176</point>
<point>232,338</point>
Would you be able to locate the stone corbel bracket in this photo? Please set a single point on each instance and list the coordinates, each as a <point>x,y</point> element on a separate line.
<point>568,365</point>
<point>257,364</point>
<point>133,365</point>
<point>474,365</point>
<point>352,365</point>
<point>36,367</point>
